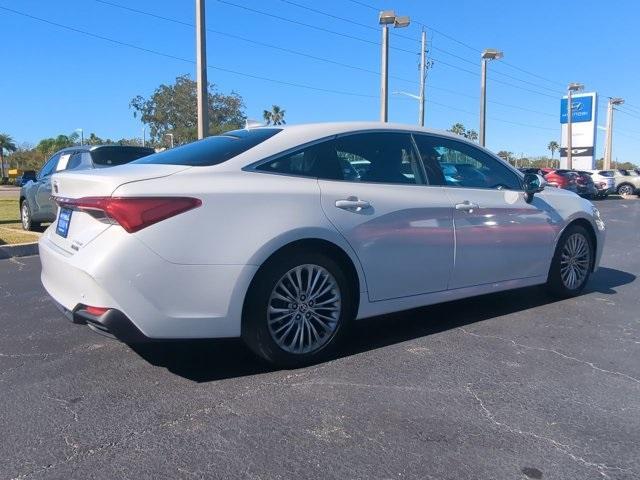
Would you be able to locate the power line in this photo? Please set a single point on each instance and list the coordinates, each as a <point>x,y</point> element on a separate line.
<point>313,57</point>
<point>244,74</point>
<point>466,45</point>
<point>175,57</point>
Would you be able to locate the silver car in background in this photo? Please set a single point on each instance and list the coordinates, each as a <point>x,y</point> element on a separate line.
<point>36,206</point>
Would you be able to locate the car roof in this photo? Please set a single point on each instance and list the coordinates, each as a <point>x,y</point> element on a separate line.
<point>91,148</point>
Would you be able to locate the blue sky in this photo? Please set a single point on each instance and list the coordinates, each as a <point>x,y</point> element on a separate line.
<point>56,80</point>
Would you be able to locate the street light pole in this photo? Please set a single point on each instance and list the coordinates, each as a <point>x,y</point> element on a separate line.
<point>573,87</point>
<point>81,136</point>
<point>144,136</point>
<point>386,18</point>
<point>423,76</point>
<point>201,70</point>
<point>609,142</point>
<point>170,135</point>
<point>487,54</point>
<point>384,80</point>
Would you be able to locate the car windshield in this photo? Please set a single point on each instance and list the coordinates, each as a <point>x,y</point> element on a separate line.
<point>212,150</point>
<point>110,156</point>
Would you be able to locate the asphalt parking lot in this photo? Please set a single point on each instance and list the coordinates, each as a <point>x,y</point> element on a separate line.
<point>513,385</point>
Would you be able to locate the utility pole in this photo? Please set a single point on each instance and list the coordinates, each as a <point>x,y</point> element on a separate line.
<point>423,76</point>
<point>609,141</point>
<point>573,87</point>
<point>144,136</point>
<point>487,54</point>
<point>201,67</point>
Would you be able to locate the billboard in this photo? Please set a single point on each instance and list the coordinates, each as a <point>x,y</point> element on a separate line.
<point>584,112</point>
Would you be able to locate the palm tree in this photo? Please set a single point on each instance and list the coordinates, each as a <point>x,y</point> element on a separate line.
<point>6,143</point>
<point>458,129</point>
<point>275,116</point>
<point>471,135</point>
<point>553,146</point>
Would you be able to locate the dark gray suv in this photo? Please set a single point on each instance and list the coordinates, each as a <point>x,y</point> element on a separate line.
<point>36,206</point>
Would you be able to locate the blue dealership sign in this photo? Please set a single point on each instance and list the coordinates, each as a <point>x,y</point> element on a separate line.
<point>581,109</point>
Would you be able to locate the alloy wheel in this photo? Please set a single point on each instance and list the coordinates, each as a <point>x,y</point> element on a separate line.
<point>25,216</point>
<point>625,190</point>
<point>575,261</point>
<point>304,309</point>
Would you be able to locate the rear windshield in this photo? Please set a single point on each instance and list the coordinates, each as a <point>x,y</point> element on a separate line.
<point>213,150</point>
<point>117,155</point>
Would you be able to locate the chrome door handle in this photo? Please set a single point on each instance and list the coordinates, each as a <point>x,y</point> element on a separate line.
<point>352,203</point>
<point>467,206</point>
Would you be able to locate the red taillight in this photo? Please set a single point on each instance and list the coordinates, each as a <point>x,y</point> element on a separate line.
<point>95,311</point>
<point>133,213</point>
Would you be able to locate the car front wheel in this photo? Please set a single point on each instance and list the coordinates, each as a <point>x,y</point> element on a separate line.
<point>298,309</point>
<point>625,189</point>
<point>572,263</point>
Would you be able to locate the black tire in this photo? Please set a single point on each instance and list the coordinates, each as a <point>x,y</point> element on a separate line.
<point>555,283</point>
<point>26,217</point>
<point>625,189</point>
<point>255,324</point>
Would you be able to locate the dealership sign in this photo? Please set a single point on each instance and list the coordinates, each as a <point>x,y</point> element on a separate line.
<point>584,109</point>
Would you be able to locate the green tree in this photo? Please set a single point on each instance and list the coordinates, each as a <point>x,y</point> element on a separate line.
<point>172,109</point>
<point>275,116</point>
<point>458,129</point>
<point>48,146</point>
<point>6,143</point>
<point>471,135</point>
<point>553,147</point>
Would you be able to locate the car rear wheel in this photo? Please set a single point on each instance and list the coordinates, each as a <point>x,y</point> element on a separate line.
<point>26,218</point>
<point>572,263</point>
<point>298,309</point>
<point>625,189</point>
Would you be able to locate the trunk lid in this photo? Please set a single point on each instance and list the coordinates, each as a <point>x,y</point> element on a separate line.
<point>84,226</point>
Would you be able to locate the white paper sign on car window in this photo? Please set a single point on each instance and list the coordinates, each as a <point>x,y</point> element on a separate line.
<point>64,160</point>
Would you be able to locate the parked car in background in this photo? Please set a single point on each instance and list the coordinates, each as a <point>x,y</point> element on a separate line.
<point>26,177</point>
<point>604,182</point>
<point>565,179</point>
<point>262,234</point>
<point>624,182</point>
<point>585,187</point>
<point>36,205</point>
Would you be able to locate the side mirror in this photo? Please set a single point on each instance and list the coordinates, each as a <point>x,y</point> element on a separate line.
<point>533,183</point>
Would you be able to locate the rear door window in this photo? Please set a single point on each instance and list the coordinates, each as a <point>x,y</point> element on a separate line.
<point>213,150</point>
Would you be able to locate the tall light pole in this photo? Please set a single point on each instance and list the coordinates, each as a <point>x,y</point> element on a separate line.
<point>170,135</point>
<point>201,67</point>
<point>81,135</point>
<point>609,143</point>
<point>487,54</point>
<point>572,87</point>
<point>144,136</point>
<point>386,18</point>
<point>423,76</point>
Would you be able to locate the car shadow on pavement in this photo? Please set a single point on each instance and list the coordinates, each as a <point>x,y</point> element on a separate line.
<point>209,360</point>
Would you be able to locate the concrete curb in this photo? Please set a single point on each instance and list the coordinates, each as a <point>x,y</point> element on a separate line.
<point>18,250</point>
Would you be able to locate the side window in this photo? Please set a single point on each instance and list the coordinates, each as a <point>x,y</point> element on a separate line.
<point>379,158</point>
<point>49,167</point>
<point>316,161</point>
<point>463,165</point>
<point>75,161</point>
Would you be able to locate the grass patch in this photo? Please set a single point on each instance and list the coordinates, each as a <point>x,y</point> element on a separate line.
<point>10,227</point>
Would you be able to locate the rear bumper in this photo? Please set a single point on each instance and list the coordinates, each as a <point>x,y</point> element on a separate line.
<point>161,300</point>
<point>113,323</point>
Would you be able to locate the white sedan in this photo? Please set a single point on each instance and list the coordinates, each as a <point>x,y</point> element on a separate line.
<point>285,236</point>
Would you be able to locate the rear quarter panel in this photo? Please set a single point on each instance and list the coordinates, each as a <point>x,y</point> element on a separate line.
<point>244,217</point>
